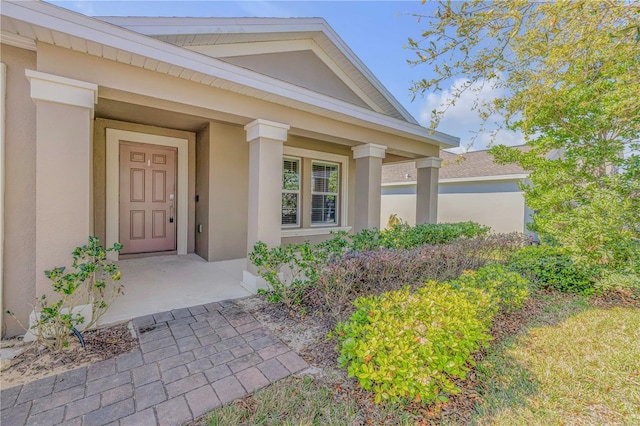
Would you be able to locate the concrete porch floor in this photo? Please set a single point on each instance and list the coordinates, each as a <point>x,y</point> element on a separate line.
<point>162,283</point>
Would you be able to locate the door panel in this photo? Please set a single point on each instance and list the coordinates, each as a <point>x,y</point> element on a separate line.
<point>147,197</point>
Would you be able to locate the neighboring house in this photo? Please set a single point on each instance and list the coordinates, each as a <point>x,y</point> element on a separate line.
<point>471,187</point>
<point>187,135</point>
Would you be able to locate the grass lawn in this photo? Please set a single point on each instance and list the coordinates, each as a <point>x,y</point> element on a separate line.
<point>563,361</point>
<point>575,364</point>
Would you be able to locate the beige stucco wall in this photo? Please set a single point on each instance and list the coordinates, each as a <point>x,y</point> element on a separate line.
<point>228,192</point>
<point>20,190</point>
<point>500,206</point>
<point>202,193</point>
<point>100,173</point>
<point>302,68</point>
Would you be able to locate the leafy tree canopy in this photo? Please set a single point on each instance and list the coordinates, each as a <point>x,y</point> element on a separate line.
<point>570,77</point>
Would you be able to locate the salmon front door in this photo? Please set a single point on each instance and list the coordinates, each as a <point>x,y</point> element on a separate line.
<point>147,198</point>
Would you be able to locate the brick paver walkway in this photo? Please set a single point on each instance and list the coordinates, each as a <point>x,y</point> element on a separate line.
<point>190,361</point>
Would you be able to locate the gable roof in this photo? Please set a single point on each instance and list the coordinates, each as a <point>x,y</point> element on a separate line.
<point>473,164</point>
<point>229,38</point>
<point>25,22</point>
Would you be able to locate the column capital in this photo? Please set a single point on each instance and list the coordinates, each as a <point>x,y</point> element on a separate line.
<point>266,129</point>
<point>62,90</point>
<point>434,162</point>
<point>368,150</point>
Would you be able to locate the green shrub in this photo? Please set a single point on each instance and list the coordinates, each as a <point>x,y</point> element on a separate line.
<point>410,346</point>
<point>508,289</point>
<point>363,273</point>
<point>407,346</point>
<point>552,267</point>
<point>403,236</point>
<point>93,284</point>
<point>287,269</point>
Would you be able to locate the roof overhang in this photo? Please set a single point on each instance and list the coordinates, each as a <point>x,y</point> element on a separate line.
<point>25,22</point>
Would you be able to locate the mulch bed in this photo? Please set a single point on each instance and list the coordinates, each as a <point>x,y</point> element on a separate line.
<point>36,363</point>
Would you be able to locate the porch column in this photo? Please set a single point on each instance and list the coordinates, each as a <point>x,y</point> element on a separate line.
<point>265,183</point>
<point>64,120</point>
<point>427,190</point>
<point>368,185</point>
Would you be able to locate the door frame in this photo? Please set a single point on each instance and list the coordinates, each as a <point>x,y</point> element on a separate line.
<point>114,136</point>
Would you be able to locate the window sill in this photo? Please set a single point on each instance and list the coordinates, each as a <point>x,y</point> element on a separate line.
<point>313,231</point>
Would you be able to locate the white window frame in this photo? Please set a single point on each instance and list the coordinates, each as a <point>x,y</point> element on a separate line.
<point>336,194</point>
<point>343,161</point>
<point>298,223</point>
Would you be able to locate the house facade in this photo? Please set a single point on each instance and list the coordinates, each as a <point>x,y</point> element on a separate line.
<point>472,187</point>
<point>187,135</point>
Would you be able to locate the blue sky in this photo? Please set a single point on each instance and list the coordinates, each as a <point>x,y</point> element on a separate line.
<point>375,30</point>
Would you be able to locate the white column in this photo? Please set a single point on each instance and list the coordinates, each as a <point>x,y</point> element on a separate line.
<point>64,116</point>
<point>265,183</point>
<point>427,190</point>
<point>368,185</point>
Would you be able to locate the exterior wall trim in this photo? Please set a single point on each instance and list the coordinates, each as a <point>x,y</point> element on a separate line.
<point>369,150</point>
<point>113,172</point>
<point>53,88</point>
<point>429,162</point>
<point>260,128</point>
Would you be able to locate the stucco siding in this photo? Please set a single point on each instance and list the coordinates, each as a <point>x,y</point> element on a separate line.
<point>302,68</point>
<point>20,189</point>
<point>228,192</point>
<point>499,205</point>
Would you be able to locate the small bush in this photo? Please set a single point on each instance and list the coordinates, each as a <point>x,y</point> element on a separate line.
<point>408,346</point>
<point>94,284</point>
<point>552,267</point>
<point>363,273</point>
<point>403,236</point>
<point>287,269</point>
<point>508,289</point>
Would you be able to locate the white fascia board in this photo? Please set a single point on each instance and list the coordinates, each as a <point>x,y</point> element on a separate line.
<point>172,26</point>
<point>75,24</point>
<point>346,50</point>
<point>485,178</point>
<point>407,183</point>
<point>465,179</point>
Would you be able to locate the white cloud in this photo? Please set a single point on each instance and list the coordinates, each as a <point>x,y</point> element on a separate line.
<point>462,119</point>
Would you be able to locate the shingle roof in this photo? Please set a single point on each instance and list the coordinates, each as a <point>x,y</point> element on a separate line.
<point>470,164</point>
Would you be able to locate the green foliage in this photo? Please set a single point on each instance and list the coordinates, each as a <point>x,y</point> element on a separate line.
<point>408,346</point>
<point>363,273</point>
<point>287,269</point>
<point>567,75</point>
<point>552,267</point>
<point>290,270</point>
<point>403,236</point>
<point>508,289</point>
<point>94,283</point>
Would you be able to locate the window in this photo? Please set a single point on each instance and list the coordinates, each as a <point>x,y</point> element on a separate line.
<point>324,193</point>
<point>290,192</point>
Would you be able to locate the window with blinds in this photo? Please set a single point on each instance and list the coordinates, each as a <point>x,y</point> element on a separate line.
<point>290,191</point>
<point>324,193</point>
